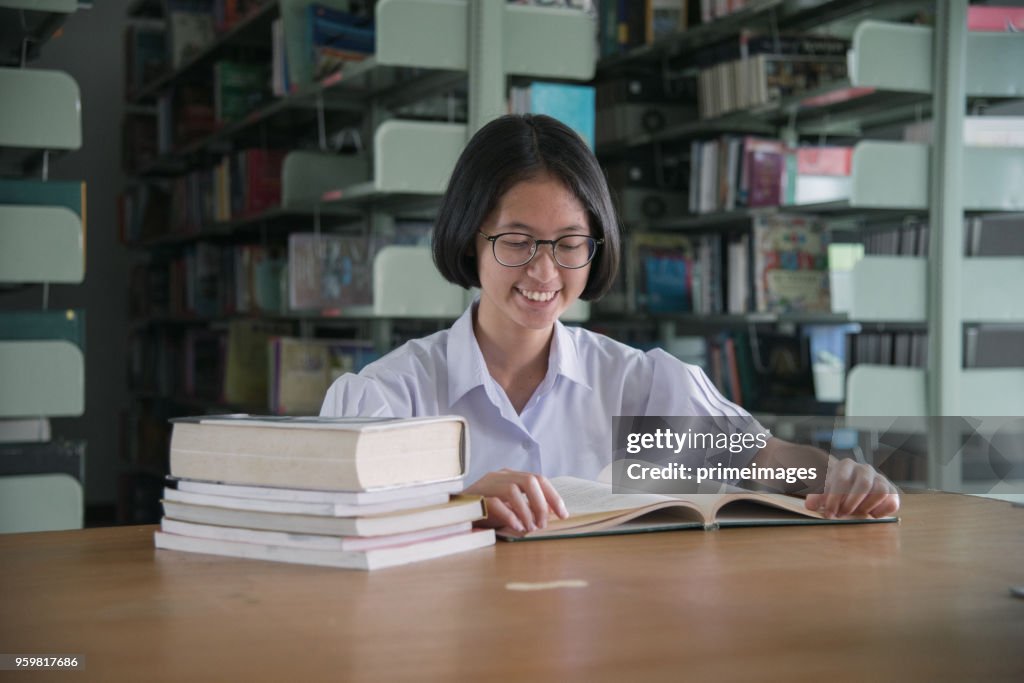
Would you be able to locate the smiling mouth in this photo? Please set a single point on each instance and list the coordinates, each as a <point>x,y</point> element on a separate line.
<point>540,297</point>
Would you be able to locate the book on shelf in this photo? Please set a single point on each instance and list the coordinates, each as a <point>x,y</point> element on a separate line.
<point>756,69</point>
<point>347,454</point>
<point>247,360</point>
<point>329,271</point>
<point>238,88</point>
<point>994,346</point>
<point>335,38</point>
<point>145,53</point>
<point>595,510</point>
<point>995,235</point>
<point>190,29</point>
<point>61,456</point>
<point>790,264</point>
<point>823,174</point>
<point>301,370</point>
<point>571,104</point>
<point>979,131</point>
<point>25,429</point>
<point>257,270</point>
<point>205,359</point>
<point>998,19</point>
<point>664,272</point>
<point>264,546</point>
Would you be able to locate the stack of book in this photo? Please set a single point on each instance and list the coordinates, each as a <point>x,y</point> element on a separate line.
<point>358,493</point>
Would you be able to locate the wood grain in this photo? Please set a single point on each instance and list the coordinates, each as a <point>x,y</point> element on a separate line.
<point>925,600</point>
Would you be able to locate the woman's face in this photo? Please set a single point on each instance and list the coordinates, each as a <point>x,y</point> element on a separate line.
<point>535,295</point>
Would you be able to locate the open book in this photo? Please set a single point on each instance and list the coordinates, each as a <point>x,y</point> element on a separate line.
<point>594,509</point>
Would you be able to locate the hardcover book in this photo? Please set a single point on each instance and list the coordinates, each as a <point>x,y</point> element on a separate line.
<point>338,454</point>
<point>368,559</point>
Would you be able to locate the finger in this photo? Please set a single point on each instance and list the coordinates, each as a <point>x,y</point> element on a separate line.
<point>536,499</point>
<point>838,476</point>
<point>553,499</point>
<point>887,503</point>
<point>518,503</point>
<point>857,490</point>
<point>499,516</point>
<point>813,501</point>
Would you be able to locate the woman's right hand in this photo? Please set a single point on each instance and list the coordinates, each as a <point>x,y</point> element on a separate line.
<point>518,501</point>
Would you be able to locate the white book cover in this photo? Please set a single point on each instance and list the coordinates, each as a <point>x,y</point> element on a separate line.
<point>368,559</point>
<point>381,495</point>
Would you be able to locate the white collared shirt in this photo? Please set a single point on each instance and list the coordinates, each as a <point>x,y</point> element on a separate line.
<point>566,426</point>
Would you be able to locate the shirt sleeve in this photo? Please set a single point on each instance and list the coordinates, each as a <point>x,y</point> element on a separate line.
<point>356,396</point>
<point>682,389</point>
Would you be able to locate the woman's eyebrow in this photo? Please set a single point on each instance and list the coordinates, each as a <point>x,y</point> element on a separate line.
<point>517,225</point>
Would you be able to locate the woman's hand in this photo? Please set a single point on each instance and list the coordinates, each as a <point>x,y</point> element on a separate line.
<point>518,501</point>
<point>853,488</point>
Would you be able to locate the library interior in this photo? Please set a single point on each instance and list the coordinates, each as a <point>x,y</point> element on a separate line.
<point>220,207</point>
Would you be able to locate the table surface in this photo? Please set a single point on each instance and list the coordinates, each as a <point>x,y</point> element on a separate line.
<point>926,599</point>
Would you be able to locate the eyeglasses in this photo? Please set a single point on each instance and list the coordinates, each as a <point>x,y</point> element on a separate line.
<point>514,249</point>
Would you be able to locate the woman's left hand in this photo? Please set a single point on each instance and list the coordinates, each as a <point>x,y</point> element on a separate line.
<point>854,489</point>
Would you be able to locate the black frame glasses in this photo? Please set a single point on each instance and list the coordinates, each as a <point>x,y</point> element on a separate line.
<point>591,252</point>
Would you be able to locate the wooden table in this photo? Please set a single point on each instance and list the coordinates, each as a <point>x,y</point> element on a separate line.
<point>923,600</point>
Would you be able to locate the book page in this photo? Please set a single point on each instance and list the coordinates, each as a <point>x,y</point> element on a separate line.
<point>582,497</point>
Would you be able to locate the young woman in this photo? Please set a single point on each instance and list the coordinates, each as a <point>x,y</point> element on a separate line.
<point>528,219</point>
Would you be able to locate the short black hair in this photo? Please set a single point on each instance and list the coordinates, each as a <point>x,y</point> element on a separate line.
<point>507,151</point>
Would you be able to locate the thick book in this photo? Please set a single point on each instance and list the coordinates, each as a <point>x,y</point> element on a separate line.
<point>385,495</point>
<point>595,510</point>
<point>343,454</point>
<point>308,541</point>
<point>376,558</point>
<point>458,509</point>
<point>326,508</point>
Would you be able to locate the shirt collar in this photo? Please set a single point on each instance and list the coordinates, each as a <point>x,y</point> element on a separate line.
<point>467,369</point>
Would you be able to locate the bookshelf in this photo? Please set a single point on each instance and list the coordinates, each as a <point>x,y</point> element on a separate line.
<point>363,157</point>
<point>908,72</point>
<point>42,229</point>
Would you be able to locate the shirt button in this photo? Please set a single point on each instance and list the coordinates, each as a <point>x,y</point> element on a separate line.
<point>527,445</point>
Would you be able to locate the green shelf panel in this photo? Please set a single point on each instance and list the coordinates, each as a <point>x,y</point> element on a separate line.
<point>891,57</point>
<point>890,175</point>
<point>415,156</point>
<point>992,287</point>
<point>537,41</point>
<point>41,378</point>
<point>881,390</point>
<point>58,6</point>
<point>990,292</point>
<point>306,175</point>
<point>992,392</point>
<point>894,175</point>
<point>41,244</point>
<point>994,178</point>
<point>549,42</point>
<point>898,57</point>
<point>41,109</point>
<point>406,284</point>
<point>889,288</point>
<point>40,502</point>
